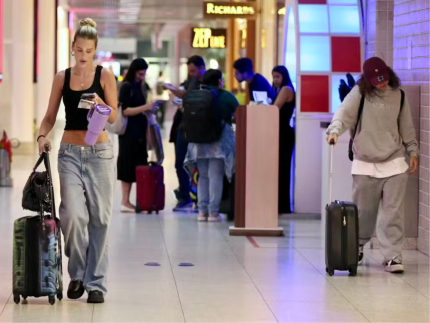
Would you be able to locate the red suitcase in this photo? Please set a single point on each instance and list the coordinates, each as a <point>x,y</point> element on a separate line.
<point>150,188</point>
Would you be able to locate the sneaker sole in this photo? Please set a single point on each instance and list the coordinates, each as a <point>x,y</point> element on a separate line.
<point>78,295</point>
<point>96,301</point>
<point>202,219</point>
<point>214,220</point>
<point>395,269</point>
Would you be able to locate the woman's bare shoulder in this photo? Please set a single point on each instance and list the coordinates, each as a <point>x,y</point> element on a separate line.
<point>59,78</point>
<point>107,74</point>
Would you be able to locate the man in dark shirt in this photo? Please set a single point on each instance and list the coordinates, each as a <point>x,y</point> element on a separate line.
<point>244,72</point>
<point>196,69</point>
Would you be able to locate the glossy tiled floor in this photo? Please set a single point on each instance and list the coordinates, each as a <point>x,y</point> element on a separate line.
<point>281,280</point>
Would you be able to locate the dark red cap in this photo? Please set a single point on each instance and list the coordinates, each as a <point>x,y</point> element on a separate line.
<point>376,71</point>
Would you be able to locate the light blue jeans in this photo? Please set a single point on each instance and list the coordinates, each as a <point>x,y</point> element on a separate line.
<point>87,178</point>
<point>210,185</point>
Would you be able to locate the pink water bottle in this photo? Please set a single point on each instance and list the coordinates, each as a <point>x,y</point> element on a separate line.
<point>97,119</point>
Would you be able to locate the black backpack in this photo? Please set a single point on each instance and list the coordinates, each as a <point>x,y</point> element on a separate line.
<point>202,120</point>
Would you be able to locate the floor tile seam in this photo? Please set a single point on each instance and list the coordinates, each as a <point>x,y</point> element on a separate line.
<point>92,315</point>
<point>225,238</point>
<point>402,279</point>
<point>4,307</point>
<point>334,286</point>
<point>171,268</point>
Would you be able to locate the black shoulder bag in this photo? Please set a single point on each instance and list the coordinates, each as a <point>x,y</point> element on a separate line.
<point>37,195</point>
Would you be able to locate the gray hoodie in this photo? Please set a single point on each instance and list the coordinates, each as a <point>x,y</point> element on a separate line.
<point>384,131</point>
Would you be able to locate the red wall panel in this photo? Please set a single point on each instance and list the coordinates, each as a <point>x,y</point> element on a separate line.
<point>315,93</point>
<point>346,54</point>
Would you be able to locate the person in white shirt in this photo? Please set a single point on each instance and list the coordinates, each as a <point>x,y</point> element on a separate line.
<point>384,133</point>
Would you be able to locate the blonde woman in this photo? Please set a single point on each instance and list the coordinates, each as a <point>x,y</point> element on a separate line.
<point>87,173</point>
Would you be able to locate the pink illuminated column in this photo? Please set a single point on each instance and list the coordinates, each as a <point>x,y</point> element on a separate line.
<point>1,39</point>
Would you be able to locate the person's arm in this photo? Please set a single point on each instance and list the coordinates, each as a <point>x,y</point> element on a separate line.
<point>229,104</point>
<point>285,95</point>
<point>130,112</point>
<point>179,93</point>
<point>50,118</point>
<point>407,133</point>
<point>125,99</point>
<point>346,116</point>
<point>110,90</point>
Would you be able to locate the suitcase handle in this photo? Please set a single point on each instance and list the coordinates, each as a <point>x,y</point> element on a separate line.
<point>330,185</point>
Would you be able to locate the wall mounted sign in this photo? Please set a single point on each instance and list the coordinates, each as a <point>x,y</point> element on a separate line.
<point>208,38</point>
<point>213,9</point>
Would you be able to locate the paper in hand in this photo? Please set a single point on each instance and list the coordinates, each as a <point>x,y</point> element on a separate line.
<point>260,96</point>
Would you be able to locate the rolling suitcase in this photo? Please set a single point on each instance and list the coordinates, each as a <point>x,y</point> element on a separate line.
<point>341,248</point>
<point>37,259</point>
<point>150,190</point>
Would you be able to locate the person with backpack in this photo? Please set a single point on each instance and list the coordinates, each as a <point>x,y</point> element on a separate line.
<point>207,119</point>
<point>196,69</point>
<point>379,118</point>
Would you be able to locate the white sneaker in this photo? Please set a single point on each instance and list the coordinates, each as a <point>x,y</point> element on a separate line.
<point>394,266</point>
<point>214,218</point>
<point>360,255</point>
<point>126,209</point>
<point>202,217</point>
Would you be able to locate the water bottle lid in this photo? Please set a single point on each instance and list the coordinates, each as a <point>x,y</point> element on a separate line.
<point>102,109</point>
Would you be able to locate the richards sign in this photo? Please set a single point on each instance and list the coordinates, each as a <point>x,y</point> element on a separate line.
<point>213,10</point>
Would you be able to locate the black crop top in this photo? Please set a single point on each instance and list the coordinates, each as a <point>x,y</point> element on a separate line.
<point>76,119</point>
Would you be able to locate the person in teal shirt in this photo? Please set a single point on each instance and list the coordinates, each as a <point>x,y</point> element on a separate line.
<point>216,159</point>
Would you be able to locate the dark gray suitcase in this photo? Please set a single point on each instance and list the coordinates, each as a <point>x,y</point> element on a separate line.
<point>37,258</point>
<point>341,248</point>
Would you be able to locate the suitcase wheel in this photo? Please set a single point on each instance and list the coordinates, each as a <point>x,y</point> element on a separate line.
<point>16,299</point>
<point>330,272</point>
<point>60,296</point>
<point>52,299</point>
<point>353,272</point>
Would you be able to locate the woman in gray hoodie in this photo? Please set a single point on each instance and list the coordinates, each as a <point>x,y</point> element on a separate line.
<point>382,135</point>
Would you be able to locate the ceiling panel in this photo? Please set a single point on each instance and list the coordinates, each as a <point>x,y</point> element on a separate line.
<point>137,18</point>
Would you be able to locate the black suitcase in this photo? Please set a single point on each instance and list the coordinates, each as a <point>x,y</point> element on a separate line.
<point>341,248</point>
<point>37,260</point>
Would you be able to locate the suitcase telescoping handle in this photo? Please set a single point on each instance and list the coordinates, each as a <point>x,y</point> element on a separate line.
<point>48,169</point>
<point>330,185</point>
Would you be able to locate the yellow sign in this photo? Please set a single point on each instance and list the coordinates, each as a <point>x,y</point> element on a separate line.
<point>208,38</point>
<point>229,10</point>
<point>282,11</point>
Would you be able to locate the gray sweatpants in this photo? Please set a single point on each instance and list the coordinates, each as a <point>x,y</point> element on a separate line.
<point>367,194</point>
<point>87,178</point>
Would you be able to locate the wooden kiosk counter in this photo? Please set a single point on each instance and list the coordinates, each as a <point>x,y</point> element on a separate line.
<point>257,167</point>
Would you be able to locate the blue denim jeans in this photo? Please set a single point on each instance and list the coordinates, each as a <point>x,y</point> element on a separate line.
<point>210,184</point>
<point>87,178</point>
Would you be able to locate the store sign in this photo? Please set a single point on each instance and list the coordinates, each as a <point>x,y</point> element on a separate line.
<point>229,9</point>
<point>208,38</point>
